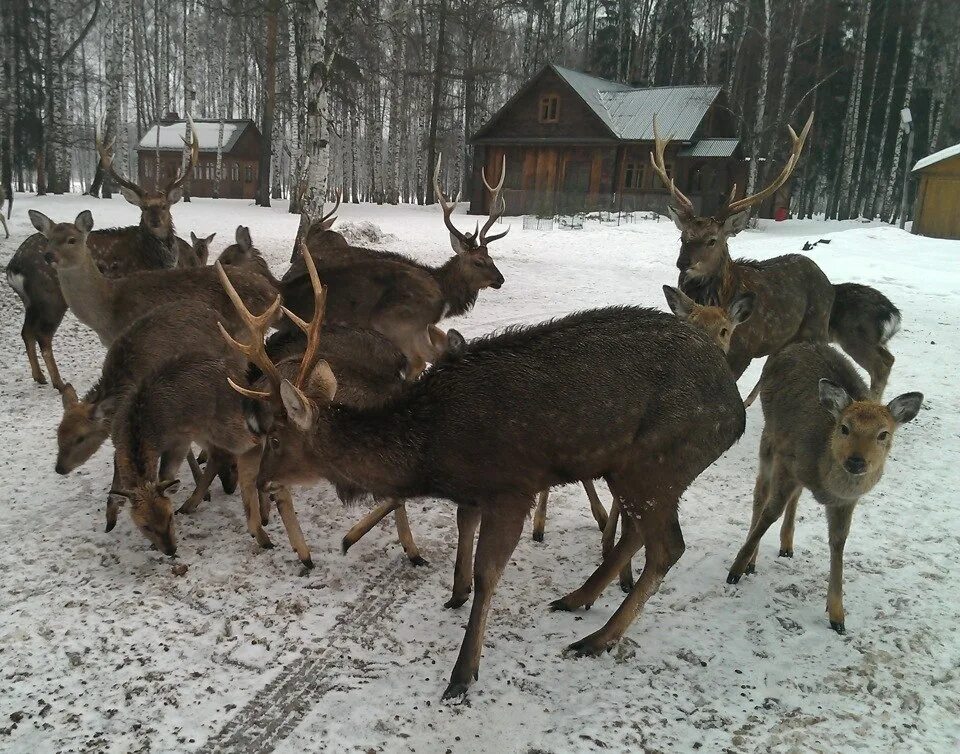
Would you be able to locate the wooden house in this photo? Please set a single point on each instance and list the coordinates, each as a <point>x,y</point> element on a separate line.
<point>241,144</point>
<point>936,209</point>
<point>576,142</point>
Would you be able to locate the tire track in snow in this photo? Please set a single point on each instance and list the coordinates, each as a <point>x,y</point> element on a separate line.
<point>277,709</point>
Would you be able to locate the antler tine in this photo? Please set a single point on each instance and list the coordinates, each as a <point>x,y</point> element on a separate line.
<point>795,149</point>
<point>332,212</point>
<point>194,145</point>
<point>657,160</point>
<point>497,205</point>
<point>446,206</point>
<point>311,354</point>
<point>256,325</point>
<point>106,158</point>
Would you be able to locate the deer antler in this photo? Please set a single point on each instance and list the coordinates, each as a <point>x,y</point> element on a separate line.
<point>448,207</point>
<point>656,159</point>
<point>255,352</point>
<point>194,156</point>
<point>497,205</point>
<point>796,148</point>
<point>106,158</point>
<point>311,354</point>
<point>332,212</point>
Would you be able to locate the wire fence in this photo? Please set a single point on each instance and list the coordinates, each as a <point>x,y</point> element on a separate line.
<point>546,204</point>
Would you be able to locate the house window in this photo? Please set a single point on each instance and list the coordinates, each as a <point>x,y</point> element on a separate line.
<point>234,172</point>
<point>549,109</point>
<point>146,168</point>
<point>248,174</point>
<point>633,175</point>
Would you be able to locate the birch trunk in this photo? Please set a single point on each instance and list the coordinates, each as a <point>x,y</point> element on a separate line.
<point>761,99</point>
<point>844,197</point>
<point>269,107</point>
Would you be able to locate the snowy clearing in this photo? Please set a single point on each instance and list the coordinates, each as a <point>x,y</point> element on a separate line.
<point>104,649</point>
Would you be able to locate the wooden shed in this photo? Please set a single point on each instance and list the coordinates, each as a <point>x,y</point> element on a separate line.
<point>240,144</point>
<point>937,206</point>
<point>576,142</point>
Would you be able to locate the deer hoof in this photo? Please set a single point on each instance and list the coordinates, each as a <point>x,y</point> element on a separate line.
<point>786,553</point>
<point>592,646</point>
<point>345,545</point>
<point>561,605</point>
<point>751,568</point>
<point>456,601</point>
<point>418,561</point>
<point>838,627</point>
<point>537,536</point>
<point>456,689</point>
<point>733,578</point>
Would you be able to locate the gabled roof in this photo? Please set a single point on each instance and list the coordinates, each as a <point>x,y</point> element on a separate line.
<point>208,134</point>
<point>933,159</point>
<point>627,112</point>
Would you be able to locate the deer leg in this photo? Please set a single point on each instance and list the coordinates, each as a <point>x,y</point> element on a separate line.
<point>753,394</point>
<point>228,476</point>
<point>782,488</point>
<point>248,466</point>
<point>30,341</point>
<point>540,515</point>
<point>114,501</point>
<point>879,369</point>
<point>501,525</point>
<point>46,350</point>
<point>288,515</point>
<point>838,525</point>
<point>468,519</point>
<point>365,524</point>
<point>201,492</point>
<point>406,536</point>
<point>195,471</point>
<point>786,528</point>
<point>170,462</point>
<point>608,541</point>
<point>659,528</point>
<point>3,222</point>
<point>761,492</point>
<point>596,507</point>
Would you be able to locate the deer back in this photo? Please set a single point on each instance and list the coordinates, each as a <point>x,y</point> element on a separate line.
<point>35,280</point>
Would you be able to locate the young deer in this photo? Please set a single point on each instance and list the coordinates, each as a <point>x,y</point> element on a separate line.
<point>399,297</point>
<point>245,255</point>
<point>823,431</point>
<point>141,348</point>
<point>109,306</point>
<point>200,250</point>
<point>605,393</point>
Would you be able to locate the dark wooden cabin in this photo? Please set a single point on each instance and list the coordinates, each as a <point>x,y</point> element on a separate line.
<point>240,158</point>
<point>575,142</point>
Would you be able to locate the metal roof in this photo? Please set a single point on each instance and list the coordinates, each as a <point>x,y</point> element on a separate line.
<point>679,111</point>
<point>709,147</point>
<point>208,134</point>
<point>591,90</point>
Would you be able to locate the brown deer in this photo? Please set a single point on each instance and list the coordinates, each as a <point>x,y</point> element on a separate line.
<point>245,255</point>
<point>200,246</point>
<point>822,431</point>
<point>605,393</point>
<point>795,299</point>
<point>399,297</point>
<point>141,348</point>
<point>109,306</point>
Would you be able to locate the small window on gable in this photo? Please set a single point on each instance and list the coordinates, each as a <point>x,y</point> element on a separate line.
<point>549,108</point>
<point>633,175</point>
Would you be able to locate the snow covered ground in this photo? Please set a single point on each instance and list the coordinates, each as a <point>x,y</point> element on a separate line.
<point>102,648</point>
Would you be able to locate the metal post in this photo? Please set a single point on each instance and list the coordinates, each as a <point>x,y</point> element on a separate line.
<point>906,178</point>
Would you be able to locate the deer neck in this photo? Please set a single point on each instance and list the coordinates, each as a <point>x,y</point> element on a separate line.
<point>160,253</point>
<point>458,295</point>
<point>87,292</point>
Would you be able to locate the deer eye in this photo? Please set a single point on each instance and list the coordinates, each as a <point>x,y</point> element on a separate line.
<point>883,436</point>
<point>723,332</point>
<point>275,442</point>
<point>71,241</point>
<point>711,242</point>
<point>844,429</point>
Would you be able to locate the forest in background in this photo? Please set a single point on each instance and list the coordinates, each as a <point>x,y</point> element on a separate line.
<point>374,90</point>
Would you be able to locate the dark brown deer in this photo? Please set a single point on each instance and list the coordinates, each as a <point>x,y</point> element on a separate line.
<point>795,300</point>
<point>399,297</point>
<point>606,393</point>
<point>825,432</point>
<point>109,306</point>
<point>201,250</point>
<point>245,255</point>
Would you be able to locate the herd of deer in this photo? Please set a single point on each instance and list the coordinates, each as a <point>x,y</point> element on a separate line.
<point>359,386</point>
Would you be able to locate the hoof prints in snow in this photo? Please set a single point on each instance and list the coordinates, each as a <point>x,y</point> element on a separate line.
<point>273,713</point>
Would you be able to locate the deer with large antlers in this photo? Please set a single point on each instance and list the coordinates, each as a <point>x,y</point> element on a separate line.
<point>397,296</point>
<point>794,299</point>
<point>627,394</point>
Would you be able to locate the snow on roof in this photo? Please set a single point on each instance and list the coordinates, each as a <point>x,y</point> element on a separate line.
<point>208,133</point>
<point>936,157</point>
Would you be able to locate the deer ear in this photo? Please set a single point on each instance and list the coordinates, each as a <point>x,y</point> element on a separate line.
<point>833,397</point>
<point>679,217</point>
<point>210,237</point>
<point>297,405</point>
<point>458,246</point>
<point>131,196</point>
<point>905,407</point>
<point>679,303</point>
<point>69,396</point>
<point>322,381</point>
<point>735,223</point>
<point>84,221</point>
<point>741,308</point>
<point>105,407</point>
<point>168,486</point>
<point>193,237</point>
<point>456,344</point>
<point>41,222</point>
<point>174,195</point>
<point>327,224</point>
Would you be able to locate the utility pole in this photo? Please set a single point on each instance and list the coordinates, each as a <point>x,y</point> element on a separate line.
<point>906,124</point>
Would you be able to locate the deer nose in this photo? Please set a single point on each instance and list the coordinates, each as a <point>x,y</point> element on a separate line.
<point>855,465</point>
<point>60,468</point>
<point>49,257</point>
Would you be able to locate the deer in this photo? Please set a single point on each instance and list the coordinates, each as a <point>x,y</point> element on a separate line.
<point>142,347</point>
<point>399,297</point>
<point>604,393</point>
<point>116,252</point>
<point>242,253</point>
<point>109,306</point>
<point>200,248</point>
<point>796,299</point>
<point>825,431</point>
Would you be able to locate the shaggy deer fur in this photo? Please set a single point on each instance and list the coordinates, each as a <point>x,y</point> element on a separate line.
<point>824,432</point>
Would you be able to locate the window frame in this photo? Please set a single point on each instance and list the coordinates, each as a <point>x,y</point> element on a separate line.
<point>547,103</point>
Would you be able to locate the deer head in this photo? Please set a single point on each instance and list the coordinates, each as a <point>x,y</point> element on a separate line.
<point>703,240</point>
<point>319,232</point>
<point>66,242</point>
<point>473,256</point>
<point>863,430</point>
<point>244,254</point>
<point>201,247</point>
<point>716,321</point>
<point>152,512</point>
<point>85,426</point>
<point>154,204</point>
